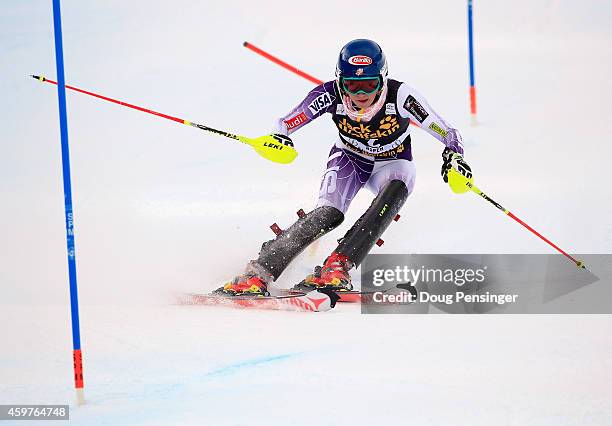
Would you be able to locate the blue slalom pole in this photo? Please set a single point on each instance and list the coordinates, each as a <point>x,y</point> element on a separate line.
<point>471,54</point>
<point>63,118</point>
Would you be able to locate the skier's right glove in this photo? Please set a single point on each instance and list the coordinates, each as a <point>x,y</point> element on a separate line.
<point>285,140</point>
<point>274,147</point>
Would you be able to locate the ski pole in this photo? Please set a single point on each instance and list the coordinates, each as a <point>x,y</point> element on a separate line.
<point>460,184</point>
<point>266,146</point>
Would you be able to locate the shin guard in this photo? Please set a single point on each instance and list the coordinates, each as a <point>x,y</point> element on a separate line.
<point>358,241</point>
<point>276,254</point>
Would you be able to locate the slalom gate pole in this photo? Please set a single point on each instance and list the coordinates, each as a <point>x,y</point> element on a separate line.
<point>282,63</point>
<point>74,300</point>
<point>291,67</point>
<point>471,54</point>
<point>265,146</point>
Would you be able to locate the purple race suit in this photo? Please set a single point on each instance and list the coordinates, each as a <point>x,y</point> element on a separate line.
<point>369,153</point>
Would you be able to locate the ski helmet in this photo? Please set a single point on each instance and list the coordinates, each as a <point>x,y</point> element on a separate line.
<point>361,59</point>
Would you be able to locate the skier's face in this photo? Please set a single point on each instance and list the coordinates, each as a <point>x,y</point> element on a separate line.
<point>362,100</point>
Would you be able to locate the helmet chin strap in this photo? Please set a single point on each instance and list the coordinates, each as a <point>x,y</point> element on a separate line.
<point>364,114</point>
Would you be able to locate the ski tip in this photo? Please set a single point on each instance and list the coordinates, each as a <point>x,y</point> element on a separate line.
<point>245,44</point>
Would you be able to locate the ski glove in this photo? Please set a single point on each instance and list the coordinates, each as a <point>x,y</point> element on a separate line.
<point>282,139</point>
<point>454,160</point>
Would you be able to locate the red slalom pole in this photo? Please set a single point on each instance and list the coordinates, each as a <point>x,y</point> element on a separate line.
<point>292,68</point>
<point>282,63</point>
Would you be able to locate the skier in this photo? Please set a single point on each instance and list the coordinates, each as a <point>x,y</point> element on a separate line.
<point>372,114</point>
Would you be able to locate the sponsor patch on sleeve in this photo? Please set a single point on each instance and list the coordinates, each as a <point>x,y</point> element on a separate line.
<point>320,103</point>
<point>439,130</point>
<point>415,108</point>
<point>296,120</point>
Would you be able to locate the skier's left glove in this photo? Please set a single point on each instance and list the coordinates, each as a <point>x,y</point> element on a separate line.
<point>454,160</point>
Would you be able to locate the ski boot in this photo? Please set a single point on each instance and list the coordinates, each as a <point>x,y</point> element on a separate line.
<point>244,285</point>
<point>333,275</point>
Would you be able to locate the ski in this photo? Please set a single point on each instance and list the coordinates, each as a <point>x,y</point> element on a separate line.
<point>356,296</point>
<point>345,296</point>
<point>314,301</point>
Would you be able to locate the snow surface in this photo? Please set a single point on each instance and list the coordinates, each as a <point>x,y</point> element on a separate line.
<point>162,208</point>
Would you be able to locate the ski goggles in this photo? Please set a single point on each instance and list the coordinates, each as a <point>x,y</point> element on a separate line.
<point>355,85</point>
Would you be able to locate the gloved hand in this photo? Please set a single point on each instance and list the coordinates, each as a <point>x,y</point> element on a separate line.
<point>285,140</point>
<point>454,160</point>
<point>274,147</point>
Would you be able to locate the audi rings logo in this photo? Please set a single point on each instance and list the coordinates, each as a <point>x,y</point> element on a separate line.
<point>360,60</point>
